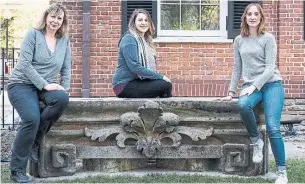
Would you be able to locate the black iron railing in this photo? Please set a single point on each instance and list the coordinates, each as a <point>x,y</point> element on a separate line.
<point>8,61</point>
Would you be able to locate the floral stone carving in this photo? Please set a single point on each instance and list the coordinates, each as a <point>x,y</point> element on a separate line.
<point>149,125</point>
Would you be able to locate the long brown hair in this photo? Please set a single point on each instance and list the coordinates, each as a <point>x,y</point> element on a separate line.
<point>56,8</point>
<point>151,28</point>
<point>244,27</point>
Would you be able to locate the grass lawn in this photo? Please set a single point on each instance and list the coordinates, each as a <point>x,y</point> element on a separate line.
<point>295,169</point>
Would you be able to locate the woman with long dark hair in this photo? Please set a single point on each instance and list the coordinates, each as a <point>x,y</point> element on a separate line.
<point>136,75</point>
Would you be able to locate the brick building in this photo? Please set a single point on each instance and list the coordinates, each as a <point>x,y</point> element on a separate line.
<point>200,62</point>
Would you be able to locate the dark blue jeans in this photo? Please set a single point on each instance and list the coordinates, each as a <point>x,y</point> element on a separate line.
<point>272,95</point>
<point>35,124</point>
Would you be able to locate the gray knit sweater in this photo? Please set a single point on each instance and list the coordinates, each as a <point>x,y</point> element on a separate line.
<point>37,65</point>
<point>255,61</point>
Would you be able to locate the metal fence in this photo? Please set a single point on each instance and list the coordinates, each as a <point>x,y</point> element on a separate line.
<point>8,58</point>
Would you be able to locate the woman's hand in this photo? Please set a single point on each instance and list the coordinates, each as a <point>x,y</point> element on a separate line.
<point>249,90</point>
<point>53,87</point>
<point>166,79</point>
<point>227,98</point>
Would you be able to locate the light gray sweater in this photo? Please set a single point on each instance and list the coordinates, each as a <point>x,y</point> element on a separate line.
<point>255,61</point>
<point>37,65</point>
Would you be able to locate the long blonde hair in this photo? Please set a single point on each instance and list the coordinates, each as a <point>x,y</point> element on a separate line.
<point>244,27</point>
<point>151,28</point>
<point>56,8</point>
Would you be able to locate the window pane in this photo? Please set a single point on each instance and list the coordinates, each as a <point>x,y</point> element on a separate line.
<point>170,17</point>
<point>190,17</point>
<point>210,2</point>
<point>170,1</point>
<point>210,18</point>
<point>190,2</point>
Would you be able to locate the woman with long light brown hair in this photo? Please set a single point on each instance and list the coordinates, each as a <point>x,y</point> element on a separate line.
<point>136,75</point>
<point>255,54</point>
<point>44,53</point>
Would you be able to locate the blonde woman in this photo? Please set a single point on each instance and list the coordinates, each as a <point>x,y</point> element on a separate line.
<point>255,53</point>
<point>136,75</point>
<point>44,52</point>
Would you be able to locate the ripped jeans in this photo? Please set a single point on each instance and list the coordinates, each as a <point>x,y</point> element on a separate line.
<point>272,95</point>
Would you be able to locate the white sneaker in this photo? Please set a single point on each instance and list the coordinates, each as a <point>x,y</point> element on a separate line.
<point>281,177</point>
<point>258,152</point>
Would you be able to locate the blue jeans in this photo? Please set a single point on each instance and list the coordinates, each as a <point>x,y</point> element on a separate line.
<point>35,124</point>
<point>272,95</point>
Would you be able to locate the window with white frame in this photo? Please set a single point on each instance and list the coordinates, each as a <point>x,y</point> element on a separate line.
<point>206,18</point>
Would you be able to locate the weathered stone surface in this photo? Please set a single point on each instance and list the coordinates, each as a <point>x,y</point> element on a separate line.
<point>149,126</point>
<point>110,109</point>
<point>56,160</point>
<point>196,164</point>
<point>294,110</point>
<point>289,102</point>
<point>7,141</point>
<point>115,134</point>
<point>62,155</point>
<point>300,102</point>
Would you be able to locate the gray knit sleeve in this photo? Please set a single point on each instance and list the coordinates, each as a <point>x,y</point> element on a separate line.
<point>237,68</point>
<point>65,72</point>
<point>270,58</point>
<point>27,50</point>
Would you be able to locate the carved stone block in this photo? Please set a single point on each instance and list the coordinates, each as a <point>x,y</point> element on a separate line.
<point>59,162</point>
<point>62,155</point>
<point>113,135</point>
<point>237,159</point>
<point>235,155</point>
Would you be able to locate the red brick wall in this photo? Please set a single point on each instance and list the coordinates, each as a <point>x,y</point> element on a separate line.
<point>105,34</point>
<point>75,18</point>
<point>292,46</point>
<point>196,69</point>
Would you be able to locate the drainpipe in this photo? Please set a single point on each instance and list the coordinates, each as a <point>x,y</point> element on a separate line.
<point>86,50</point>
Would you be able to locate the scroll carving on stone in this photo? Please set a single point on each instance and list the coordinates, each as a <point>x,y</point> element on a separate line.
<point>63,156</point>
<point>235,157</point>
<point>148,126</point>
